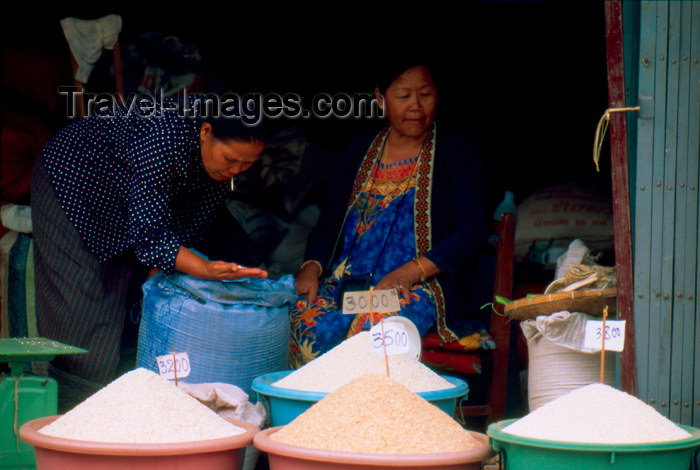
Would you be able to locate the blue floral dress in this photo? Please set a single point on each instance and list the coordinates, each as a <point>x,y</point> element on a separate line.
<point>378,236</point>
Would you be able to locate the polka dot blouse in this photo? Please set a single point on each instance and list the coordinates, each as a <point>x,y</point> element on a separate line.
<point>134,181</point>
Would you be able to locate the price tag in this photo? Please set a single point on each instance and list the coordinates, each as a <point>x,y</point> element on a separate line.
<point>383,301</point>
<point>395,337</point>
<point>168,362</point>
<point>614,335</point>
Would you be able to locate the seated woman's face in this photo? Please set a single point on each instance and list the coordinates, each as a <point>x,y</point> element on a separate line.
<point>410,102</point>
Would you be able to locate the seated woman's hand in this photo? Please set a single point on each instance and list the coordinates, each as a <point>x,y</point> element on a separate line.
<point>401,279</point>
<point>306,282</point>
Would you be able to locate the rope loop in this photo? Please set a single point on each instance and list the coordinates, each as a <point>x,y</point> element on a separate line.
<point>601,129</point>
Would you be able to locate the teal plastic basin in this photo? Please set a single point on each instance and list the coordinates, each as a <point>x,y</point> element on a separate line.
<point>283,404</point>
<point>519,453</point>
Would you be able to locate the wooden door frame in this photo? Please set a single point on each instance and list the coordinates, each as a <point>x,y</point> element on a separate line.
<point>621,190</point>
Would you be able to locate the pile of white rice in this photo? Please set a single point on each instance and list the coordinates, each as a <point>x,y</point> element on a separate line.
<point>353,358</point>
<point>141,407</point>
<point>600,414</point>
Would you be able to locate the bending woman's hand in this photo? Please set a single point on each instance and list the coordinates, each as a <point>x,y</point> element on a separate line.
<point>306,281</point>
<point>222,270</point>
<point>190,263</point>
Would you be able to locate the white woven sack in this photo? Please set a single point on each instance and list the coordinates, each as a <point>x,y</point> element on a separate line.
<point>555,369</point>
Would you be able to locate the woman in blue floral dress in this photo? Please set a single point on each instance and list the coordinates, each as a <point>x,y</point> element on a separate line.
<point>404,211</point>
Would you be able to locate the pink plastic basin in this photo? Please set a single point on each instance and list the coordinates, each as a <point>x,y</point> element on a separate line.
<point>54,453</point>
<point>288,457</point>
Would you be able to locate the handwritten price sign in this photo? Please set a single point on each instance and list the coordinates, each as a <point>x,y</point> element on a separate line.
<point>169,362</point>
<point>392,336</point>
<point>614,333</point>
<point>383,301</point>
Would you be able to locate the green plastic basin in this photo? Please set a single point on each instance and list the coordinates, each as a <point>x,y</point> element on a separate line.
<point>518,453</point>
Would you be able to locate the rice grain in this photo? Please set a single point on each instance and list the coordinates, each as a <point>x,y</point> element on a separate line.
<point>597,413</point>
<point>353,358</point>
<point>141,407</point>
<point>376,414</point>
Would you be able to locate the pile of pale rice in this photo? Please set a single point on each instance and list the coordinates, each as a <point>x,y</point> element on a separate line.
<point>353,358</point>
<point>600,414</point>
<point>377,415</point>
<point>141,407</point>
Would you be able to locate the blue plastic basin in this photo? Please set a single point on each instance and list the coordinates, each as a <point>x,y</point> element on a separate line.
<point>283,404</point>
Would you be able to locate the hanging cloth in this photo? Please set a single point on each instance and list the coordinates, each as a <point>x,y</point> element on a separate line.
<point>87,38</point>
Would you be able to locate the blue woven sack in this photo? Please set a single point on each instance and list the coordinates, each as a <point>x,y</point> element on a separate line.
<point>232,331</point>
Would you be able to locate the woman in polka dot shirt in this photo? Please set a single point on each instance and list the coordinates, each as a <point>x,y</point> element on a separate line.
<point>118,193</point>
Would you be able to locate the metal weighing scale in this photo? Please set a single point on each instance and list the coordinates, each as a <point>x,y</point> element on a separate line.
<point>25,397</point>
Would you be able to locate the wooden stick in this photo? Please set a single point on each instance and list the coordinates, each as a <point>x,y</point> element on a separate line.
<point>602,347</point>
<point>371,314</point>
<point>175,365</point>
<point>386,357</point>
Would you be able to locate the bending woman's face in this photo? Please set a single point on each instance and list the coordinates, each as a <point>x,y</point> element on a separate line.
<point>224,159</point>
<point>410,102</point>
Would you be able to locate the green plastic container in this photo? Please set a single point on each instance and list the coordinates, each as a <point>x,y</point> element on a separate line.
<point>25,397</point>
<point>520,453</point>
<point>36,398</point>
